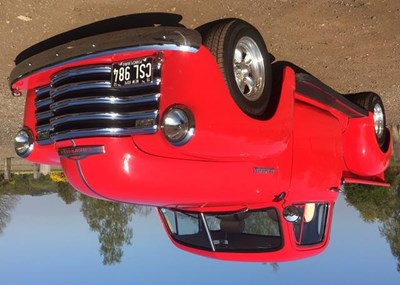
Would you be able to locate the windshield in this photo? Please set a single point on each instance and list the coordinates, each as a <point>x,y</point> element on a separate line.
<point>310,228</point>
<point>234,232</point>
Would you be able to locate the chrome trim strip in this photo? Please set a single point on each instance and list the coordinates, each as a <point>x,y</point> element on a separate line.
<point>42,90</point>
<point>81,152</point>
<point>111,100</point>
<point>43,128</point>
<point>45,141</point>
<point>129,40</point>
<point>78,165</point>
<point>73,87</point>
<point>102,116</point>
<point>104,132</point>
<point>87,70</point>
<point>154,83</point>
<point>43,102</point>
<point>207,231</point>
<point>43,115</point>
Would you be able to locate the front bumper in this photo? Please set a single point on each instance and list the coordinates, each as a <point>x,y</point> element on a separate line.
<point>107,44</point>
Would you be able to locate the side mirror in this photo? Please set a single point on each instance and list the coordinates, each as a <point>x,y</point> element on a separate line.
<point>291,213</point>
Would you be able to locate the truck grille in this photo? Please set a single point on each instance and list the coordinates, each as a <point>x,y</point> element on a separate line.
<point>82,102</point>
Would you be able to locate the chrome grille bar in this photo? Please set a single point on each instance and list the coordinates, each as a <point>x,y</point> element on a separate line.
<point>44,115</point>
<point>77,87</point>
<point>65,76</point>
<point>112,100</point>
<point>44,128</point>
<point>70,118</point>
<point>43,103</point>
<point>42,92</point>
<point>104,132</point>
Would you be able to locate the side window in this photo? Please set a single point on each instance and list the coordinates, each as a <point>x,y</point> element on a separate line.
<point>310,228</point>
<point>250,231</point>
<point>254,230</point>
<point>186,228</point>
<point>182,223</point>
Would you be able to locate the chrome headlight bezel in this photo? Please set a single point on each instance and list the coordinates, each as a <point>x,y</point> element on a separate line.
<point>23,142</point>
<point>178,125</point>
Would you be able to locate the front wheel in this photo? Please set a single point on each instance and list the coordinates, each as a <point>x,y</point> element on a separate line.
<point>244,62</point>
<point>373,103</point>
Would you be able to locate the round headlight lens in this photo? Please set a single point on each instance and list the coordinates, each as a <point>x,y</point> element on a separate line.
<point>178,125</point>
<point>23,143</point>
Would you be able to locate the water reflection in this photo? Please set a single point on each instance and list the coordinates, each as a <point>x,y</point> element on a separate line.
<point>377,204</point>
<point>7,204</point>
<point>111,222</point>
<point>108,219</point>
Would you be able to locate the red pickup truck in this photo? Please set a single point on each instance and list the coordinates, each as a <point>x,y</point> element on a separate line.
<point>240,155</point>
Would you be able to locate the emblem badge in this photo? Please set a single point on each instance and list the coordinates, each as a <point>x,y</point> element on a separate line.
<point>80,152</point>
<point>263,170</point>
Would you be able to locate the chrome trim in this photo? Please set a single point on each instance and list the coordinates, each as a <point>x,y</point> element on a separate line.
<point>56,121</point>
<point>104,132</point>
<point>44,102</point>
<point>42,90</point>
<point>43,115</point>
<point>73,102</point>
<point>129,40</point>
<point>379,121</point>
<point>74,87</point>
<point>15,92</point>
<point>44,128</point>
<point>80,152</point>
<point>83,178</point>
<point>83,103</point>
<point>76,72</point>
<point>191,125</point>
<point>207,231</point>
<point>249,70</point>
<point>29,150</point>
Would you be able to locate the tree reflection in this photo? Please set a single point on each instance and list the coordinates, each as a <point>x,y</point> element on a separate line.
<point>380,204</point>
<point>274,265</point>
<point>7,204</point>
<point>67,193</point>
<point>111,221</point>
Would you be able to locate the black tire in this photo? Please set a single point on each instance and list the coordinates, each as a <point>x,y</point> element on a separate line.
<point>222,40</point>
<point>372,103</point>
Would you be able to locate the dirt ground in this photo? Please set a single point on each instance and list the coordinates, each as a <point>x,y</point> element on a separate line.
<point>352,45</point>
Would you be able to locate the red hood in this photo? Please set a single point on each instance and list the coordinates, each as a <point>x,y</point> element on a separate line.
<point>124,173</point>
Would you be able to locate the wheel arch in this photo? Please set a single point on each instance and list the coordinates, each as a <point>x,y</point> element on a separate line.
<point>362,154</point>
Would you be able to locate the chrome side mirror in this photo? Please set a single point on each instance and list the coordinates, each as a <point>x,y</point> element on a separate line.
<point>291,213</point>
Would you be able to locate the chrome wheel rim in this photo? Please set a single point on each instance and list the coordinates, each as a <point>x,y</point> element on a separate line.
<point>378,120</point>
<point>248,66</point>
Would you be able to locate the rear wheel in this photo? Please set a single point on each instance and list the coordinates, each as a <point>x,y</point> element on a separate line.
<point>245,63</point>
<point>373,103</point>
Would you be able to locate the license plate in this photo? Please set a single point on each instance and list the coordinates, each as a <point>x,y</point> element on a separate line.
<point>132,72</point>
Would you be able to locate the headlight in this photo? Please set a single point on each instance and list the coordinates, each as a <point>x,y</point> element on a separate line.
<point>178,125</point>
<point>23,143</point>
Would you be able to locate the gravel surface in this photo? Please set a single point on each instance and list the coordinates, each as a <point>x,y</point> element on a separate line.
<point>351,45</point>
